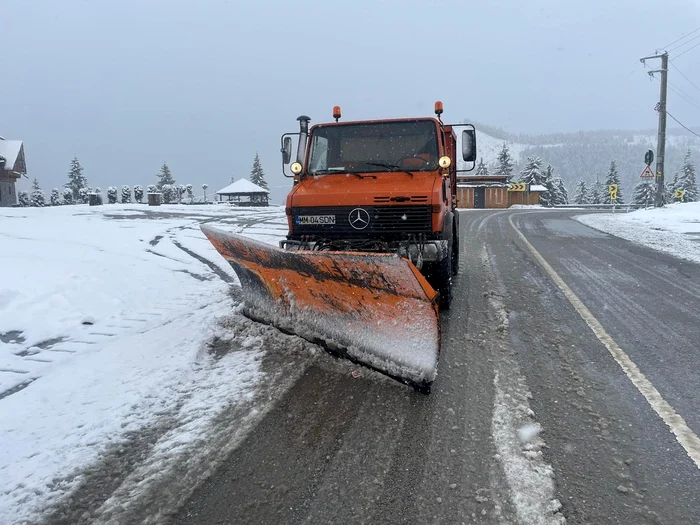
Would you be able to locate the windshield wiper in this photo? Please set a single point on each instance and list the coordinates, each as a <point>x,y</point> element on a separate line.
<point>391,167</point>
<point>338,170</point>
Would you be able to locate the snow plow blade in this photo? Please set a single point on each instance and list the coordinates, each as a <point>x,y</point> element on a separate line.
<point>374,309</point>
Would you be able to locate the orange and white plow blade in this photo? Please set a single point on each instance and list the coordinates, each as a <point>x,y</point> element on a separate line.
<point>375,309</point>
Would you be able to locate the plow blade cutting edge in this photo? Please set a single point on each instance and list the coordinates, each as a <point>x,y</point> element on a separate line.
<point>374,309</point>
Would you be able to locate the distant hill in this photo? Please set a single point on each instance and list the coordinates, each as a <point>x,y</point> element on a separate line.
<point>587,154</point>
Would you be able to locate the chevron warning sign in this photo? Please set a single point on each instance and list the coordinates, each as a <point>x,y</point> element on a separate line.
<point>517,186</point>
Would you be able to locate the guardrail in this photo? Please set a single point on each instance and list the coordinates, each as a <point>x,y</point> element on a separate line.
<point>601,206</point>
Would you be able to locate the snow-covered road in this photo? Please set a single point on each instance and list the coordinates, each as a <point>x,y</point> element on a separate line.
<point>105,316</point>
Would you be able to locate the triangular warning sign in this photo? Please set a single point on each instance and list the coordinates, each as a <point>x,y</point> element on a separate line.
<point>647,173</point>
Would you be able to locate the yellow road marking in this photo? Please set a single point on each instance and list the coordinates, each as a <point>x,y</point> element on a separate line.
<point>685,436</point>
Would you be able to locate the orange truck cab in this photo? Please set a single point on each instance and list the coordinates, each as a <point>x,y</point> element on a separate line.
<point>380,186</point>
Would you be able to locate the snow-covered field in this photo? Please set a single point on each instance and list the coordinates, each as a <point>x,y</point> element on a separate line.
<point>105,318</point>
<point>674,229</point>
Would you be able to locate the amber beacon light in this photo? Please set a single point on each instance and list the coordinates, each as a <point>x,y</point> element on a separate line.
<point>336,113</point>
<point>438,108</point>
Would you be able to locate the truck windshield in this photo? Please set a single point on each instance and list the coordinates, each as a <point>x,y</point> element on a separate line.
<point>373,147</point>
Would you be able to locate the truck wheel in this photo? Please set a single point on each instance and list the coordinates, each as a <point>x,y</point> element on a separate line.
<point>455,255</point>
<point>443,282</point>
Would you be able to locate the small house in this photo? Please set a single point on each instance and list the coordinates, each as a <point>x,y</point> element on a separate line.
<point>12,167</point>
<point>493,192</point>
<point>244,193</point>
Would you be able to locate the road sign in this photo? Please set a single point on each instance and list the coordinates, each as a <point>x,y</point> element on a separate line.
<point>612,189</point>
<point>647,173</point>
<point>679,194</point>
<point>517,186</point>
<point>648,157</point>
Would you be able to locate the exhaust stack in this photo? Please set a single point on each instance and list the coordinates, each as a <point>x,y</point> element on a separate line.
<point>303,137</point>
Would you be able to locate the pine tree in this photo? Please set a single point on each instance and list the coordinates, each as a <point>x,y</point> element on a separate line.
<point>581,196</point>
<point>562,192</point>
<point>597,192</point>
<point>482,170</point>
<point>165,177</point>
<point>76,179</point>
<point>67,196</point>
<point>644,194</point>
<point>687,180</point>
<point>38,198</point>
<point>190,193</point>
<point>83,197</point>
<point>257,176</point>
<point>112,195</point>
<point>23,198</point>
<point>532,172</point>
<point>548,198</point>
<point>55,197</point>
<point>126,194</point>
<point>505,163</point>
<point>138,193</point>
<point>152,188</point>
<point>612,178</point>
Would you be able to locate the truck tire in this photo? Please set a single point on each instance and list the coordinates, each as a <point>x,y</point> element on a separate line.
<point>443,281</point>
<point>455,253</point>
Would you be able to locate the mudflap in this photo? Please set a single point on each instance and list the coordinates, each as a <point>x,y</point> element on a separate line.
<point>374,309</point>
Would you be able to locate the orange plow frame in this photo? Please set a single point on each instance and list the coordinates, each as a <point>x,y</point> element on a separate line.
<point>375,309</point>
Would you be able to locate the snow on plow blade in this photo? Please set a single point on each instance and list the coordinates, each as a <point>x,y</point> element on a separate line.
<point>375,309</point>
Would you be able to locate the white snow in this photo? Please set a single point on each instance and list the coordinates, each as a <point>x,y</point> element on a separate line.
<point>242,186</point>
<point>674,229</point>
<point>70,389</point>
<point>10,150</point>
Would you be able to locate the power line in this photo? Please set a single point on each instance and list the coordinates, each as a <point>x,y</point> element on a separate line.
<point>683,75</point>
<point>681,38</point>
<point>680,93</point>
<point>691,97</point>
<point>688,100</point>
<point>679,122</point>
<point>684,52</point>
<point>683,44</point>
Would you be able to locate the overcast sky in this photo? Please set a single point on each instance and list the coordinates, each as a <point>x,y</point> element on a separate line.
<point>127,84</point>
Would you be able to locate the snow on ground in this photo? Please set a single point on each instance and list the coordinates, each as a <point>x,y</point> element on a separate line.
<point>155,290</point>
<point>674,229</point>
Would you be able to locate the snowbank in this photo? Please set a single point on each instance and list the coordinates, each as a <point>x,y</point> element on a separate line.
<point>674,229</point>
<point>151,290</point>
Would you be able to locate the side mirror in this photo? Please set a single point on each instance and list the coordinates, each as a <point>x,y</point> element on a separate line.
<point>469,144</point>
<point>286,150</point>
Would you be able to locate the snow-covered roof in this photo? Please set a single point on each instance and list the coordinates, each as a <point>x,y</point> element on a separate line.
<point>538,187</point>
<point>12,151</point>
<point>242,186</point>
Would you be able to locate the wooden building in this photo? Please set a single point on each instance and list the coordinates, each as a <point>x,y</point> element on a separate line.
<point>244,193</point>
<point>492,192</point>
<point>12,167</point>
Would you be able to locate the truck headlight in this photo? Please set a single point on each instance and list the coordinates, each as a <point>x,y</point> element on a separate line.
<point>445,162</point>
<point>296,168</point>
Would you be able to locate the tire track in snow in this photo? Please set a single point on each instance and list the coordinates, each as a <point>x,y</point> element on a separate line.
<point>514,428</point>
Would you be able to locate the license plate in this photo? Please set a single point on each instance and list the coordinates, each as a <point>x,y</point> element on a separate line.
<point>315,219</point>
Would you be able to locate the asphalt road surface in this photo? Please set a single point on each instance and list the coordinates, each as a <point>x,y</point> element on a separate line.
<point>531,419</point>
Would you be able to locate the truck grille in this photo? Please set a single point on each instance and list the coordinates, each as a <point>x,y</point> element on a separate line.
<point>383,221</point>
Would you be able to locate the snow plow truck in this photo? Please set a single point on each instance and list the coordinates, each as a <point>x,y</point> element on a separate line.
<point>373,241</point>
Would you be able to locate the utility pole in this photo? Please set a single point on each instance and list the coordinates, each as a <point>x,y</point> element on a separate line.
<point>661,108</point>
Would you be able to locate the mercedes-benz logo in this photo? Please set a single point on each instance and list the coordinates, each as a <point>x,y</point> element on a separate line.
<point>359,218</point>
